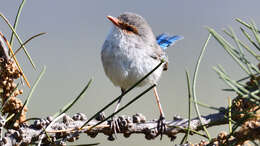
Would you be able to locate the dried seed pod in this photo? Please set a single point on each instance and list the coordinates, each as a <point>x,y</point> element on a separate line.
<point>4,82</point>
<point>8,74</point>
<point>21,91</point>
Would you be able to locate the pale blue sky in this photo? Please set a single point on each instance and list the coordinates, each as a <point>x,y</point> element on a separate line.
<point>77,29</point>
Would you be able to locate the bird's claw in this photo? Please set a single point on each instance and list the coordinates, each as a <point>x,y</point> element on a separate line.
<point>115,126</point>
<point>161,126</point>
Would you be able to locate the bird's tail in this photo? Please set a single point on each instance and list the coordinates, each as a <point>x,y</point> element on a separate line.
<point>165,40</point>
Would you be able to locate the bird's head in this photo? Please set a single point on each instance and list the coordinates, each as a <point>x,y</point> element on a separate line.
<point>134,25</point>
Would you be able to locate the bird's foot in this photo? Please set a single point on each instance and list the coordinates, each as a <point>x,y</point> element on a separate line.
<point>114,126</point>
<point>161,126</point>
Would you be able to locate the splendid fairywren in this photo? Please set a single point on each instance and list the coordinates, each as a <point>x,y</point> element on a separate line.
<point>131,50</point>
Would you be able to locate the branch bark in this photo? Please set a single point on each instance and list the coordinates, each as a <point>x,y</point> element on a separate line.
<point>68,128</point>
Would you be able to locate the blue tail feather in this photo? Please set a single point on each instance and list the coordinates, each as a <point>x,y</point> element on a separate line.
<point>165,40</point>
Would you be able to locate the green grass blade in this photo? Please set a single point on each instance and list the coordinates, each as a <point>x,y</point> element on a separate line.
<point>243,44</point>
<point>71,103</point>
<point>255,32</point>
<point>194,86</point>
<point>236,41</point>
<point>27,41</point>
<point>228,90</point>
<point>9,117</point>
<point>236,86</point>
<point>240,87</point>
<point>185,138</point>
<point>249,38</point>
<point>30,94</point>
<point>206,106</point>
<point>248,77</point>
<point>17,20</point>
<point>240,55</point>
<point>221,68</point>
<point>191,130</point>
<point>243,23</point>
<point>34,86</point>
<point>224,78</point>
<point>19,40</point>
<point>229,49</point>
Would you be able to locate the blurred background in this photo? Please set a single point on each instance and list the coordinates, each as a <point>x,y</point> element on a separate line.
<point>71,52</point>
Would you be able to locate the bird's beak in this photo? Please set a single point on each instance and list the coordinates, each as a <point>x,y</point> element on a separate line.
<point>114,20</point>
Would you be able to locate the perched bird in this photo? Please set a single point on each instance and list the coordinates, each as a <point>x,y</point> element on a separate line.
<point>131,50</point>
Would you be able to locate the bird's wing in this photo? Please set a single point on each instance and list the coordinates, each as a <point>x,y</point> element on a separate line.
<point>164,40</point>
<point>160,54</point>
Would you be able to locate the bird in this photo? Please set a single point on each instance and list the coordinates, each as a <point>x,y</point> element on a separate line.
<point>131,50</point>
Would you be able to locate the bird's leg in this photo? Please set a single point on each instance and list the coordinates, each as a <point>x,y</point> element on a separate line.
<point>114,123</point>
<point>119,100</point>
<point>161,122</point>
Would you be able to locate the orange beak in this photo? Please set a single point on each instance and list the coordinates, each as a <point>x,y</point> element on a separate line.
<point>114,20</point>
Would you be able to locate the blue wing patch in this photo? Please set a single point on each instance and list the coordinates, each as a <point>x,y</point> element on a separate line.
<point>165,40</point>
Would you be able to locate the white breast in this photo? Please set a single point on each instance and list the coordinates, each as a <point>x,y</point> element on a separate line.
<point>124,63</point>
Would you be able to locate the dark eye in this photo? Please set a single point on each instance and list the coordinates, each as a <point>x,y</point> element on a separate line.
<point>129,28</point>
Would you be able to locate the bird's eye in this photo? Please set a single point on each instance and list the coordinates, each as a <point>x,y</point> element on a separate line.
<point>129,28</point>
